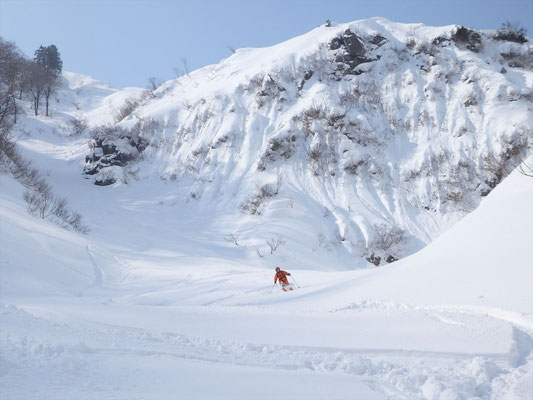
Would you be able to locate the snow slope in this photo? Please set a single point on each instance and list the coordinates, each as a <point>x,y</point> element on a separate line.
<point>157,303</point>
<point>83,320</point>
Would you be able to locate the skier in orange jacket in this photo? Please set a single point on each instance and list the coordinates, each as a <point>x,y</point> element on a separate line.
<point>282,277</point>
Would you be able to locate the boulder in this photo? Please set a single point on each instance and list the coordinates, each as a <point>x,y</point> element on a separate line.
<point>353,43</point>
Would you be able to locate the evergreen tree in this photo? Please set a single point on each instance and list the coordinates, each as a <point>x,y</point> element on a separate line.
<point>49,59</point>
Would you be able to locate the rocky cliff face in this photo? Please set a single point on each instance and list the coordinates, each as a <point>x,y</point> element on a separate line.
<point>373,137</point>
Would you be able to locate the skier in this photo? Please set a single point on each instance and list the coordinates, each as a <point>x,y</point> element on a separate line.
<point>282,276</point>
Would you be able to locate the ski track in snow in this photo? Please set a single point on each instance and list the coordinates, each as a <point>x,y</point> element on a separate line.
<point>98,275</point>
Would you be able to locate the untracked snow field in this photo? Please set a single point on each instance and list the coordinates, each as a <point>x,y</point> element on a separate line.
<point>154,306</point>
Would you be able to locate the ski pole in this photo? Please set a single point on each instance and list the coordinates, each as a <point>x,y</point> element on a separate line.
<point>270,291</point>
<point>295,282</point>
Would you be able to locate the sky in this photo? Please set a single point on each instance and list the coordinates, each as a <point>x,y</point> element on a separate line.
<point>125,42</point>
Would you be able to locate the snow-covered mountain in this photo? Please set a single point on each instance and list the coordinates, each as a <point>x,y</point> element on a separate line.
<point>325,154</point>
<point>383,135</point>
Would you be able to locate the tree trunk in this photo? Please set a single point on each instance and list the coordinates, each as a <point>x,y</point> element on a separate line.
<point>14,110</point>
<point>47,97</point>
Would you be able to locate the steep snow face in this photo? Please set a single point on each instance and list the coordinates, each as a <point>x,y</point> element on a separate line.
<point>381,134</point>
<point>351,144</point>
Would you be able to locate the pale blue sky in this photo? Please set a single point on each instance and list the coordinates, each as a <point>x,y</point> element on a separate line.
<point>123,43</point>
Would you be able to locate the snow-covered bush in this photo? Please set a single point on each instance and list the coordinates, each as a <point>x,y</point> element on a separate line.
<point>254,203</point>
<point>439,40</point>
<point>278,148</point>
<point>78,125</point>
<point>45,205</point>
<point>314,155</point>
<point>387,243</point>
<point>500,163</point>
<point>519,58</point>
<point>511,32</point>
<point>320,63</point>
<point>468,38</point>
<point>130,104</point>
<point>269,89</point>
<point>39,197</point>
<point>107,176</point>
<point>352,166</point>
<point>311,116</point>
<point>8,152</point>
<point>427,48</point>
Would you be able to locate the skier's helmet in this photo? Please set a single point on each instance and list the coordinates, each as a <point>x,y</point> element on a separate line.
<point>277,268</point>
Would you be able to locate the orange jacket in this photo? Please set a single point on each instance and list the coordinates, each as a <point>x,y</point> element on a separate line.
<point>282,276</point>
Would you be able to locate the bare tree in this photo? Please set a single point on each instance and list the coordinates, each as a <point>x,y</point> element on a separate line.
<point>274,243</point>
<point>6,109</point>
<point>36,85</point>
<point>323,242</point>
<point>39,204</point>
<point>24,76</point>
<point>525,168</point>
<point>50,85</point>
<point>387,237</point>
<point>187,105</point>
<point>349,205</point>
<point>185,64</point>
<point>177,71</point>
<point>153,83</point>
<point>11,63</point>
<point>233,238</point>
